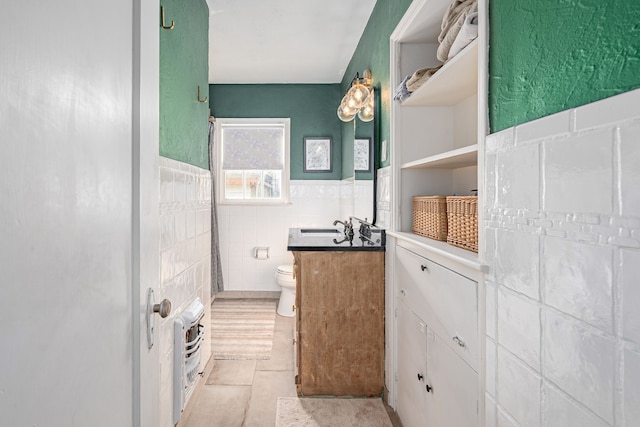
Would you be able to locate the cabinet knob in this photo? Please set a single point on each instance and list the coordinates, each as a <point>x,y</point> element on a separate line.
<point>429,388</point>
<point>458,341</point>
<point>424,268</point>
<point>420,377</point>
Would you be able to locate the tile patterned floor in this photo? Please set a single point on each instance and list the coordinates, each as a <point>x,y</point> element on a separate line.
<point>244,393</point>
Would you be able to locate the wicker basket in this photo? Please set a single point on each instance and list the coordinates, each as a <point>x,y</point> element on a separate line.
<point>430,217</point>
<point>462,215</point>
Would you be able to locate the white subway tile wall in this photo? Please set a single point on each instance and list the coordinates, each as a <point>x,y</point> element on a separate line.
<point>519,326</point>
<point>490,373</point>
<point>185,260</point>
<point>629,171</point>
<point>383,197</point>
<point>561,410</point>
<point>629,279</point>
<point>518,174</point>
<point>518,389</point>
<point>562,221</point>
<point>243,228</point>
<point>631,387</point>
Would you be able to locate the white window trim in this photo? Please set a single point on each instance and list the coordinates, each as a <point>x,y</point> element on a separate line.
<point>285,200</point>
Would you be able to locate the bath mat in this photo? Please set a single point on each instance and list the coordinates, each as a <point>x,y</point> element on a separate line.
<point>242,329</point>
<point>331,412</point>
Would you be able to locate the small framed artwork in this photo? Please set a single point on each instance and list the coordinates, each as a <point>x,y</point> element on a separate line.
<point>362,154</point>
<point>317,154</point>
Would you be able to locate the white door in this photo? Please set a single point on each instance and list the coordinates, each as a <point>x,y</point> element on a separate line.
<point>76,213</point>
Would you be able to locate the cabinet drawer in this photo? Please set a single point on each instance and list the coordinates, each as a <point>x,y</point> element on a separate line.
<point>444,299</point>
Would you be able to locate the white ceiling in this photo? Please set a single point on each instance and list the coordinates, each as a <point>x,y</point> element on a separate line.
<point>284,41</point>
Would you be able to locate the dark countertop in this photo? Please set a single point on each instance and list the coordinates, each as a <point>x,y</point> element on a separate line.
<point>333,239</point>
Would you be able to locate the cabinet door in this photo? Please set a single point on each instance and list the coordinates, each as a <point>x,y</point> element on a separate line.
<point>453,386</point>
<point>340,314</point>
<point>444,299</point>
<point>412,356</point>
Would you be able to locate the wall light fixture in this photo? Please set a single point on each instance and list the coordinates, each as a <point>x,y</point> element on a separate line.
<point>359,99</point>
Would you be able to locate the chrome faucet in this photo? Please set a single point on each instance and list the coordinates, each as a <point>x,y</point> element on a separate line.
<point>348,230</point>
<point>365,231</point>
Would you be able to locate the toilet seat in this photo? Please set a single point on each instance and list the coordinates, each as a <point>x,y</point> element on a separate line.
<point>285,269</point>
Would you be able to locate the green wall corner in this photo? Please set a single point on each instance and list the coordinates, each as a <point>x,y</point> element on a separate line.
<point>184,53</point>
<point>311,108</point>
<point>372,53</point>
<point>547,56</point>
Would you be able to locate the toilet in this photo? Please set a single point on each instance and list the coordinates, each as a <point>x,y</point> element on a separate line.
<point>284,279</point>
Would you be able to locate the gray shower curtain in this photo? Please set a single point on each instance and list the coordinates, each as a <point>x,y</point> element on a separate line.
<point>216,266</point>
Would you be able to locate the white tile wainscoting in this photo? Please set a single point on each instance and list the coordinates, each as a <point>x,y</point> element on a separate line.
<point>562,217</point>
<point>383,197</point>
<point>185,260</point>
<point>242,228</point>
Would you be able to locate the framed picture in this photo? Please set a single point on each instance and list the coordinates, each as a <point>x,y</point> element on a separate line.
<point>317,155</point>
<point>362,154</point>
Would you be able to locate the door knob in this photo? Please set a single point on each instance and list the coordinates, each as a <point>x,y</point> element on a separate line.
<point>163,309</point>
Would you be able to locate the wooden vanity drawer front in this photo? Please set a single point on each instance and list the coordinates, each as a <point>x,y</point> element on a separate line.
<point>444,299</point>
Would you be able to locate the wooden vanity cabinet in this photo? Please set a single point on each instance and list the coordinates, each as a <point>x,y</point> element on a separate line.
<point>339,323</point>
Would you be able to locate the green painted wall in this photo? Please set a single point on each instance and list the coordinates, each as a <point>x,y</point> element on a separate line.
<point>547,56</point>
<point>183,66</point>
<point>373,53</point>
<point>311,108</point>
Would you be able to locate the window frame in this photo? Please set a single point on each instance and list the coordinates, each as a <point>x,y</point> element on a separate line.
<point>220,176</point>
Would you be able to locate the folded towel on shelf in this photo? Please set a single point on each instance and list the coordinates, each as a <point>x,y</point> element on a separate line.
<point>401,93</point>
<point>452,22</point>
<point>468,33</point>
<point>420,77</point>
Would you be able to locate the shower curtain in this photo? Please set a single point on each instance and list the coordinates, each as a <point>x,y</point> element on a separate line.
<point>216,265</point>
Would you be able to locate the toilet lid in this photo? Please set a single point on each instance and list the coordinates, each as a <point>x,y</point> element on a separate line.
<point>285,269</point>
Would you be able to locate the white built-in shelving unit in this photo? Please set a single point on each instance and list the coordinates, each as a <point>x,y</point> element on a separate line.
<point>437,290</point>
<point>437,133</point>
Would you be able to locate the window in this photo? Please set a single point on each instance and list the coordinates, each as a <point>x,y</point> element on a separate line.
<point>253,161</point>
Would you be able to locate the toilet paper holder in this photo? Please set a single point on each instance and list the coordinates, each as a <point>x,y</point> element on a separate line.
<point>261,252</point>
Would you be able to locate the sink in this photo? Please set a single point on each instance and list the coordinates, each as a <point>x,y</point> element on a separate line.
<point>333,239</point>
<point>309,232</point>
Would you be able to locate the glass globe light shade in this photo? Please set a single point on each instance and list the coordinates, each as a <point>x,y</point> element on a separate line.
<point>347,108</point>
<point>342,114</point>
<point>347,105</point>
<point>357,95</point>
<point>366,112</point>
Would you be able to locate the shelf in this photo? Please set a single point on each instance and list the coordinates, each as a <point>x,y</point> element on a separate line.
<point>459,255</point>
<point>458,158</point>
<point>425,23</point>
<point>455,81</point>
